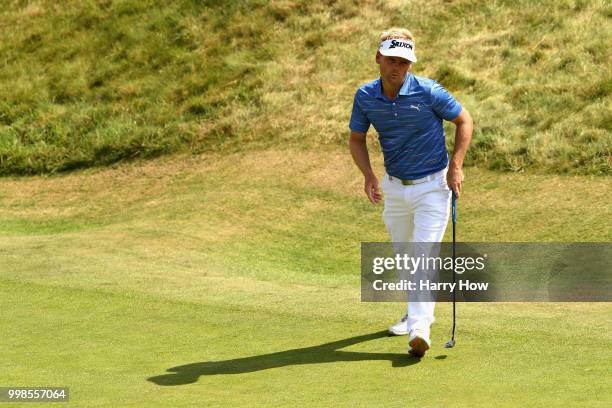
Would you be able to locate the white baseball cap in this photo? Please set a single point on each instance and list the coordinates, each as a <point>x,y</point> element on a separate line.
<point>398,47</point>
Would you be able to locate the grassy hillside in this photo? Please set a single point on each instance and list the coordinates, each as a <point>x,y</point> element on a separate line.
<point>87,83</point>
<point>210,281</point>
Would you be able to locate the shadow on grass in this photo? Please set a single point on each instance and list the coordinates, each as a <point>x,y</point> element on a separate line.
<point>324,353</point>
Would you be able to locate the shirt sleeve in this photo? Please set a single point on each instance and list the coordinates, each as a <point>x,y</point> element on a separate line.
<point>359,121</point>
<point>443,103</point>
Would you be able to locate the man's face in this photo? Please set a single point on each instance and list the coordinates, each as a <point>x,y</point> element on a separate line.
<point>393,69</point>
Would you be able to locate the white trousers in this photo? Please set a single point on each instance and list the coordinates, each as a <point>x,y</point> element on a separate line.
<point>417,213</point>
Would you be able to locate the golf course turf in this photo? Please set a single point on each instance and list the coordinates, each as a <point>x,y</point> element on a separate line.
<point>212,281</point>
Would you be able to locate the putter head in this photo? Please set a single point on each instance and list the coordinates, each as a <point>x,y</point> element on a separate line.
<point>450,344</point>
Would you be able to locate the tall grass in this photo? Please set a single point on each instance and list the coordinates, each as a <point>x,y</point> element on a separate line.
<point>93,82</point>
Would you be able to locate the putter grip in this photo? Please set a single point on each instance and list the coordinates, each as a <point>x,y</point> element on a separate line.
<point>454,201</point>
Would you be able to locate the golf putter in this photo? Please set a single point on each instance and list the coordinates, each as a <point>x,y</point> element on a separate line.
<point>451,342</point>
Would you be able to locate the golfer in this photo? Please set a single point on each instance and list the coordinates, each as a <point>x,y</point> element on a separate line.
<point>408,111</point>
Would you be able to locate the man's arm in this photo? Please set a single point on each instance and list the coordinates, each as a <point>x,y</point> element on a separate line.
<point>463,135</point>
<point>359,151</point>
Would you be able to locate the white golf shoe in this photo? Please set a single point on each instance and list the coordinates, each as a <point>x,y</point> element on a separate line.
<point>400,328</point>
<point>419,343</point>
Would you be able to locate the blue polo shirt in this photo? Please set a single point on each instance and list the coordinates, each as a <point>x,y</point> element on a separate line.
<point>410,128</point>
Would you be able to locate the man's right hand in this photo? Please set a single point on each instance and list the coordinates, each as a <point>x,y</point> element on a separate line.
<point>372,190</point>
<point>359,151</point>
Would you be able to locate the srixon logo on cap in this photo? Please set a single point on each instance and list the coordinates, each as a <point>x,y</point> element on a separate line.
<point>395,43</point>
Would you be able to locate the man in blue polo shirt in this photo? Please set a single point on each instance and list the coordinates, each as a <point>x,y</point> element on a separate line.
<point>408,111</point>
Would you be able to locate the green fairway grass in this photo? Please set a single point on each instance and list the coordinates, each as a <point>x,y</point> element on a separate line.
<point>126,349</point>
<point>223,280</point>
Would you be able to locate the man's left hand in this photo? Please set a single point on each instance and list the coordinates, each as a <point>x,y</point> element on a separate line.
<point>454,177</point>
